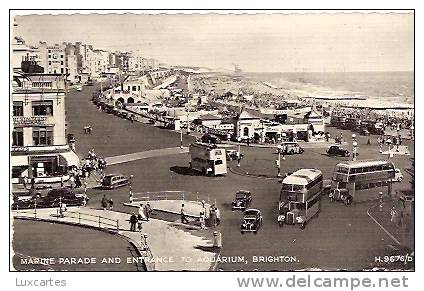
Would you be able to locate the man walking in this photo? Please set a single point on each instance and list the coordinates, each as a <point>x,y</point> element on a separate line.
<point>104,202</point>
<point>148,211</point>
<point>183,215</point>
<point>133,221</point>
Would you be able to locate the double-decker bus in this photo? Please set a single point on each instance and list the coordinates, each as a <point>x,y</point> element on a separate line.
<point>300,197</point>
<point>352,176</point>
<point>208,159</point>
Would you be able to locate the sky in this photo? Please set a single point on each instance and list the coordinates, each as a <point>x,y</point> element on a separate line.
<point>257,43</point>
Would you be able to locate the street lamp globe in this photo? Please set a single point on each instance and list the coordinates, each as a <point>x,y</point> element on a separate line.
<point>355,144</point>
<point>353,136</point>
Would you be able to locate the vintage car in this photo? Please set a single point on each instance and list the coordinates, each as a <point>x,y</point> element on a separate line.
<point>61,195</point>
<point>90,83</point>
<point>79,88</point>
<point>364,131</point>
<point>252,221</point>
<point>290,148</point>
<point>209,138</point>
<point>113,181</point>
<point>232,155</point>
<point>242,200</point>
<point>398,176</point>
<point>337,151</point>
<point>341,195</point>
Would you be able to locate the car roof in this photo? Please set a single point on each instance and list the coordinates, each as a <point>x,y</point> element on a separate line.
<point>243,192</point>
<point>251,211</point>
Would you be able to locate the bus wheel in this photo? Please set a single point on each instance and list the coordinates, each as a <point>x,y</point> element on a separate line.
<point>348,201</point>
<point>242,232</point>
<point>303,225</point>
<point>204,171</point>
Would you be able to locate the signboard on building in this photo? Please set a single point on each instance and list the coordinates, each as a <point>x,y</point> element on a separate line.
<point>22,121</point>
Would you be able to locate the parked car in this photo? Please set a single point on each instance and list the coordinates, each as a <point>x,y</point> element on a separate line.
<point>79,88</point>
<point>90,83</point>
<point>364,131</point>
<point>252,221</point>
<point>61,195</point>
<point>232,155</point>
<point>290,148</point>
<point>242,200</point>
<point>209,138</point>
<point>113,181</point>
<point>336,150</point>
<point>398,176</point>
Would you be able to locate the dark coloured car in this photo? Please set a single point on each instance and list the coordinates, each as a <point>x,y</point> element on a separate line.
<point>61,195</point>
<point>337,151</point>
<point>113,181</point>
<point>232,155</point>
<point>90,83</point>
<point>242,200</point>
<point>209,138</point>
<point>252,221</point>
<point>364,131</point>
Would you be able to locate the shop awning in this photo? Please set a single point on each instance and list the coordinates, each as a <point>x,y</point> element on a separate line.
<point>18,161</point>
<point>71,158</point>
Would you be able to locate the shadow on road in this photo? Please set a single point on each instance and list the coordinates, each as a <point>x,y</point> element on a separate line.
<point>210,249</point>
<point>186,171</point>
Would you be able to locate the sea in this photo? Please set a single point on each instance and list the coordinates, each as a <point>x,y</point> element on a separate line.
<point>385,86</point>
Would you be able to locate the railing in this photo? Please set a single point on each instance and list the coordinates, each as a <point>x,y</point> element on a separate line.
<point>172,195</point>
<point>76,217</point>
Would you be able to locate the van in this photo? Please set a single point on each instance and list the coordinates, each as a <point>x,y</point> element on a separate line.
<point>113,181</point>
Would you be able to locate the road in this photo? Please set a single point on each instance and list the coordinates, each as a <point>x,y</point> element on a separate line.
<point>340,238</point>
<point>38,239</point>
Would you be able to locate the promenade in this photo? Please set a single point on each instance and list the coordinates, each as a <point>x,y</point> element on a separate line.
<point>168,242</point>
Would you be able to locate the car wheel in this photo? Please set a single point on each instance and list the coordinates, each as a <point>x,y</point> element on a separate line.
<point>303,225</point>
<point>281,224</point>
<point>255,232</point>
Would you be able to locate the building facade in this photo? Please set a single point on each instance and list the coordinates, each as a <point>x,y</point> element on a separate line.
<point>39,144</point>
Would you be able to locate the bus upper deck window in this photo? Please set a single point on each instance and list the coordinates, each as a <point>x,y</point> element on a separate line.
<point>298,187</point>
<point>218,162</point>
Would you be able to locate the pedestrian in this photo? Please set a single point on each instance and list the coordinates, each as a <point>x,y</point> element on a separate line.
<point>148,211</point>
<point>141,211</point>
<point>110,204</point>
<point>133,221</point>
<point>72,181</point>
<point>25,181</point>
<point>393,214</point>
<point>32,183</point>
<point>104,202</point>
<point>183,215</point>
<point>139,222</point>
<point>202,220</point>
<point>212,216</point>
<point>218,216</point>
<point>78,183</point>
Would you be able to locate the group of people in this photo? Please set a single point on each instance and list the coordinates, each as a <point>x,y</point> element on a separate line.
<point>107,203</point>
<point>211,216</point>
<point>136,221</point>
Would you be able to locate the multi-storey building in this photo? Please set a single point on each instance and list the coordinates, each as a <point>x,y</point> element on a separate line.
<point>24,53</point>
<point>39,143</point>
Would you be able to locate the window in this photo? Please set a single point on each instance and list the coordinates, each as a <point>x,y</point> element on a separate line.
<point>42,135</point>
<point>18,137</point>
<point>42,108</point>
<point>61,56</point>
<point>50,51</point>
<point>50,63</point>
<point>61,63</point>
<point>134,88</point>
<point>61,70</point>
<point>18,108</point>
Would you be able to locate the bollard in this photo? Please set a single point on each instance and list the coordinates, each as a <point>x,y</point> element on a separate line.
<point>217,239</point>
<point>117,225</point>
<point>99,222</point>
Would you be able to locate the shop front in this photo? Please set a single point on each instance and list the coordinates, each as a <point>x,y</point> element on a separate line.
<point>43,167</point>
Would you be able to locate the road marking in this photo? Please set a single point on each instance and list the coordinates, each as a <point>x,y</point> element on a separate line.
<point>382,227</point>
<point>144,155</point>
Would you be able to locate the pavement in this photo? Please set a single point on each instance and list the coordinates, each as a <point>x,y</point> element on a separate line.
<point>168,242</point>
<point>191,208</point>
<point>145,154</point>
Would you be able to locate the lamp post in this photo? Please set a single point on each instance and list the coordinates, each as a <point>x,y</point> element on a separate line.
<point>131,194</point>
<point>238,156</point>
<point>181,137</point>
